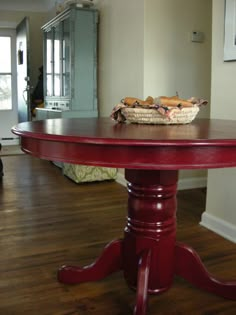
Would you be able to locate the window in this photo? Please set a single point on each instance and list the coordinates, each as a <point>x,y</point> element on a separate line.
<point>230,30</point>
<point>5,73</point>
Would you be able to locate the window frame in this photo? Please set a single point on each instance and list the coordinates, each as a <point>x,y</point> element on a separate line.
<point>7,32</point>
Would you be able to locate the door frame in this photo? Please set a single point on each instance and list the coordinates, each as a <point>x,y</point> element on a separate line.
<point>25,23</point>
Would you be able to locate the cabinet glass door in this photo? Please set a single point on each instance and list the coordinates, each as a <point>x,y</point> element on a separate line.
<point>57,61</point>
<point>49,62</point>
<point>66,57</point>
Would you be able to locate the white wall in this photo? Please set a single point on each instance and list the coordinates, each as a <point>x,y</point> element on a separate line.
<point>220,214</point>
<point>173,63</point>
<point>27,5</point>
<point>145,49</point>
<point>121,50</point>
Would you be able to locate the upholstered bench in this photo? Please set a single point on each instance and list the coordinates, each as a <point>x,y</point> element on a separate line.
<point>85,173</point>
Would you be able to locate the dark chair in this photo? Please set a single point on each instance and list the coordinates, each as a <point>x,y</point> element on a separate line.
<point>1,165</point>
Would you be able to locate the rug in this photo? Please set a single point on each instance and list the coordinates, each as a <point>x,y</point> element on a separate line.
<point>8,150</point>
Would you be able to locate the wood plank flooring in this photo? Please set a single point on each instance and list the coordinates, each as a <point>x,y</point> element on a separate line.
<point>46,220</point>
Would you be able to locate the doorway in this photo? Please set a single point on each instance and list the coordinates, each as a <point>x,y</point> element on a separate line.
<point>8,92</point>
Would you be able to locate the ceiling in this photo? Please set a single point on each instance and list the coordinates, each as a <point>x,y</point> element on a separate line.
<point>27,5</point>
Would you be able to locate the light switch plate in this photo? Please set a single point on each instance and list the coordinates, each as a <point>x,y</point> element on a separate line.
<point>197,36</point>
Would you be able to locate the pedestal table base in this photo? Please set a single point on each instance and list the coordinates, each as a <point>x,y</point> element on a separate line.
<point>149,255</point>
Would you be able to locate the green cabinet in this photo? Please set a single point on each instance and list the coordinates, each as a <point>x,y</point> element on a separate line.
<point>70,64</point>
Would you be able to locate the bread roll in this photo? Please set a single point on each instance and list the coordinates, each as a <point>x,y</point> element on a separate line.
<point>173,101</point>
<point>132,101</point>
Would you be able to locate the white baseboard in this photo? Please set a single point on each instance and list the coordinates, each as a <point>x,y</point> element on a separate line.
<point>58,164</point>
<point>219,226</point>
<point>121,179</point>
<point>192,182</point>
<point>184,183</point>
<point>13,141</point>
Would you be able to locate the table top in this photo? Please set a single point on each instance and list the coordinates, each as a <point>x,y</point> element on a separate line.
<point>203,143</point>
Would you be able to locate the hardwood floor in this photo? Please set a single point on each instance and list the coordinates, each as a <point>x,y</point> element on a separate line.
<point>46,220</point>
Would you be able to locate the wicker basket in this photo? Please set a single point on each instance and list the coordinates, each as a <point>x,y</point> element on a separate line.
<point>152,116</point>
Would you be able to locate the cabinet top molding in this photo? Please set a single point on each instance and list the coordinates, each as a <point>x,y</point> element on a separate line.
<point>63,15</point>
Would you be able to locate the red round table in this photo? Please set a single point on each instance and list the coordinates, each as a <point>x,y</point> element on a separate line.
<point>149,254</point>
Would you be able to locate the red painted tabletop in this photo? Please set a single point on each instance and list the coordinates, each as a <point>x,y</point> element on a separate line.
<point>203,143</point>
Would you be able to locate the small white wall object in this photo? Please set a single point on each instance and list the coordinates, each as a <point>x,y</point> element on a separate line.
<point>197,36</point>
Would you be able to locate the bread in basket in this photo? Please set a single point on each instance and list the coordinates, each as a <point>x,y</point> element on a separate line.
<point>159,110</point>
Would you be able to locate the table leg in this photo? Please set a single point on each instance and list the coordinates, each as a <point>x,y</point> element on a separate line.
<point>151,228</point>
<point>150,233</point>
<point>142,283</point>
<point>149,255</point>
<point>110,261</point>
<point>189,266</point>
